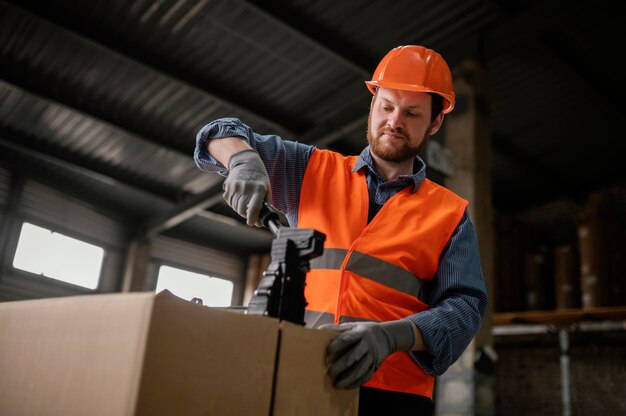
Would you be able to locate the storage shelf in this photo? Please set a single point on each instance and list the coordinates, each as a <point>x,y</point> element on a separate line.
<point>561,322</point>
<point>561,318</point>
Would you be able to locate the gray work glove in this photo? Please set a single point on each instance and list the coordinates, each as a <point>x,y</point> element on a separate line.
<point>247,185</point>
<point>362,347</point>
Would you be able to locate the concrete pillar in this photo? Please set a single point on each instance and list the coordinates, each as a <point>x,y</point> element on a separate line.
<point>257,264</point>
<point>137,266</point>
<point>462,390</point>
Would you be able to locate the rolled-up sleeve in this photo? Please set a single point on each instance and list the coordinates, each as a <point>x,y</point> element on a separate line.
<point>218,129</point>
<point>457,299</point>
<point>285,160</point>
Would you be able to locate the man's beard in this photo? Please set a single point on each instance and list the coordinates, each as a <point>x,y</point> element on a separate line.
<point>400,153</point>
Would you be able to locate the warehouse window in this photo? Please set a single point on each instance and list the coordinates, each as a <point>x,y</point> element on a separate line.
<point>57,256</point>
<point>187,285</point>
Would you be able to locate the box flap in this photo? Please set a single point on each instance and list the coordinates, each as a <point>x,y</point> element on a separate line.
<point>303,386</point>
<point>206,361</point>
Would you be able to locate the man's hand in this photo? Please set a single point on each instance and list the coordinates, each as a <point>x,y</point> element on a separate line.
<point>247,185</point>
<point>362,347</point>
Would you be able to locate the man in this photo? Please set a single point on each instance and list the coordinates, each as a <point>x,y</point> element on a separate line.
<point>400,277</point>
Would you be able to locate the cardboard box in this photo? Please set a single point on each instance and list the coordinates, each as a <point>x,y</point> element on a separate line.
<point>567,281</point>
<point>146,354</point>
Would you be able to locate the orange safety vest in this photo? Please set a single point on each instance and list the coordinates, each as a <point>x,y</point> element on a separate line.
<point>373,271</point>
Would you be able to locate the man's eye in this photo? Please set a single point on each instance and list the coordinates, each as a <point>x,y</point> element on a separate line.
<point>387,108</point>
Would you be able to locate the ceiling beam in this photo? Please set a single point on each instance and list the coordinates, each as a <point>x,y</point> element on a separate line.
<point>292,21</point>
<point>99,170</point>
<point>67,98</point>
<point>169,192</point>
<point>53,99</point>
<point>155,225</point>
<point>45,13</point>
<point>54,95</point>
<point>51,170</point>
<point>182,212</point>
<point>88,167</point>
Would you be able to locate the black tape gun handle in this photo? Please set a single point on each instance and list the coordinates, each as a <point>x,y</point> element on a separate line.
<point>270,218</point>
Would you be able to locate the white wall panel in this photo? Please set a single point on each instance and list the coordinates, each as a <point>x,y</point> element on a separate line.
<point>41,202</point>
<point>52,209</point>
<point>213,262</point>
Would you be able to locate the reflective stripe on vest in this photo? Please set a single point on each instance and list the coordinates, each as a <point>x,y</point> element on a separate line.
<point>314,319</point>
<point>373,271</point>
<point>371,268</point>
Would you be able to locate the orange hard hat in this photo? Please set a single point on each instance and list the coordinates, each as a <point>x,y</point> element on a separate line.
<point>415,68</point>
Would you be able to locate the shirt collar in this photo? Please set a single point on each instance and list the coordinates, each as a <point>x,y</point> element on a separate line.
<point>419,167</point>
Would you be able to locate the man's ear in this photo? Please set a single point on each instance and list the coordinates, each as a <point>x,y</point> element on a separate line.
<point>436,124</point>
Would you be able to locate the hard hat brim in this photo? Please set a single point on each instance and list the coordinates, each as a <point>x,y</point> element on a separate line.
<point>449,100</point>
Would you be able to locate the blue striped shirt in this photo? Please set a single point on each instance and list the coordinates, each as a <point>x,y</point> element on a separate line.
<point>457,296</point>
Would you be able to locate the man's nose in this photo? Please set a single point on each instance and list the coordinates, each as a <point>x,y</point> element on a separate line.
<point>394,120</point>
